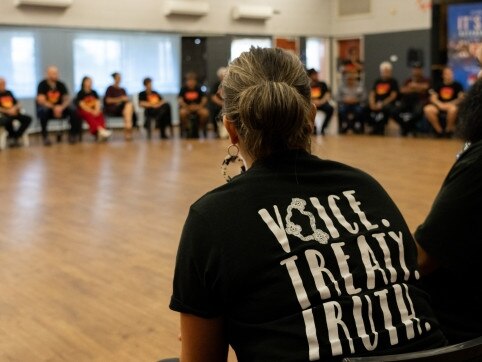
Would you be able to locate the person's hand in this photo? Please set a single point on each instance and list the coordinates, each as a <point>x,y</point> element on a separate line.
<point>12,111</point>
<point>58,110</point>
<point>443,107</point>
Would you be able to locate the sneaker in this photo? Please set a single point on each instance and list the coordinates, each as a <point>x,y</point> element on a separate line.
<point>104,134</point>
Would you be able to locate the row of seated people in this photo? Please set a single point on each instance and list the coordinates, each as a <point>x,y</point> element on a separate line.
<point>53,102</point>
<point>407,105</point>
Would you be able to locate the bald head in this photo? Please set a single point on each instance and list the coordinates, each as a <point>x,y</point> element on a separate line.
<point>52,73</point>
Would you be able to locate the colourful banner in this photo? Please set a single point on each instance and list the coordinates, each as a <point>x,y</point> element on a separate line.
<point>464,40</point>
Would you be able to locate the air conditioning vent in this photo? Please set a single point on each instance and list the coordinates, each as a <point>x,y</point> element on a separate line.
<point>48,3</point>
<point>253,12</point>
<point>190,8</point>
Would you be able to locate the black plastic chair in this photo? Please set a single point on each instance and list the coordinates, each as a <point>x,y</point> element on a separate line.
<point>470,351</point>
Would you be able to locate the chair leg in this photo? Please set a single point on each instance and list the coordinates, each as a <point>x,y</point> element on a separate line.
<point>3,138</point>
<point>25,140</point>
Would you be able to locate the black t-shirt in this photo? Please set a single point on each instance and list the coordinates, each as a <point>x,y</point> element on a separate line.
<point>7,99</point>
<point>306,260</point>
<point>448,92</point>
<point>383,88</point>
<point>192,96</point>
<point>55,94</point>
<point>89,98</point>
<point>318,90</point>
<point>153,97</point>
<point>452,233</point>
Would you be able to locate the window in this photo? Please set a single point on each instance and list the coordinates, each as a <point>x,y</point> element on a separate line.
<point>96,58</point>
<point>316,56</point>
<point>17,62</point>
<point>244,44</point>
<point>135,56</point>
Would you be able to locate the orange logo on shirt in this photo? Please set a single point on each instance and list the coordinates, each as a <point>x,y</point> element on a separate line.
<point>191,95</point>
<point>446,93</point>
<point>315,92</point>
<point>382,88</point>
<point>53,96</point>
<point>90,101</point>
<point>6,102</point>
<point>153,98</point>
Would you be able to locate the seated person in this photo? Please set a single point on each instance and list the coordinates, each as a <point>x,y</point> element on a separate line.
<point>444,98</point>
<point>450,238</point>
<point>155,108</point>
<point>414,96</point>
<point>320,96</point>
<point>192,101</point>
<point>53,102</point>
<point>217,100</point>
<point>381,100</point>
<point>350,98</point>
<point>298,258</point>
<point>117,104</point>
<point>9,112</point>
<point>88,108</point>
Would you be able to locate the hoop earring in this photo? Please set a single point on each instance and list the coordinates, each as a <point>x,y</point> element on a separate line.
<point>232,156</point>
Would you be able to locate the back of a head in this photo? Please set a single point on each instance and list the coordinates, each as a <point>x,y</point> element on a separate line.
<point>267,96</point>
<point>470,114</point>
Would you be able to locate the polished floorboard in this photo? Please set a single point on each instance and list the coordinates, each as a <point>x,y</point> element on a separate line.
<point>89,232</point>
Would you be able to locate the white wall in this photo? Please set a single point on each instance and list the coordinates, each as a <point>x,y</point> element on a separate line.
<point>386,16</point>
<point>296,17</point>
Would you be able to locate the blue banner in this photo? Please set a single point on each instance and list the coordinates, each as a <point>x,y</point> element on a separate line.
<point>464,41</point>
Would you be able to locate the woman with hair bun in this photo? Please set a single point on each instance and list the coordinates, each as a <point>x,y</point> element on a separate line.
<point>298,258</point>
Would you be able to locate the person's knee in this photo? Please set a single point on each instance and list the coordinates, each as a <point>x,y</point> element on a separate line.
<point>430,110</point>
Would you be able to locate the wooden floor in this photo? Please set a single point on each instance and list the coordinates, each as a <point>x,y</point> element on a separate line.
<point>88,235</point>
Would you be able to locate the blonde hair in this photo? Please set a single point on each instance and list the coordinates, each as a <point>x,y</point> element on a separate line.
<point>267,96</point>
<point>386,65</point>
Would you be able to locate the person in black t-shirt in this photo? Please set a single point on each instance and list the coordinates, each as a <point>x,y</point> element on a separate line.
<point>444,98</point>
<point>53,102</point>
<point>9,112</point>
<point>298,258</point>
<point>413,97</point>
<point>192,102</point>
<point>381,99</point>
<point>89,108</point>
<point>155,107</point>
<point>320,96</point>
<point>450,238</point>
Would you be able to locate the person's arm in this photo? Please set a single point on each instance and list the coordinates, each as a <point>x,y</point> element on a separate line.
<point>182,103</point>
<point>426,263</point>
<point>42,97</point>
<point>65,101</point>
<point>204,101</point>
<point>202,339</point>
<point>391,98</point>
<point>114,100</point>
<point>458,100</point>
<point>217,100</point>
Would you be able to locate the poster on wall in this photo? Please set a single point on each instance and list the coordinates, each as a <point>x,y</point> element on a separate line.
<point>464,41</point>
<point>349,56</point>
<point>289,44</point>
